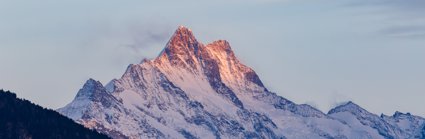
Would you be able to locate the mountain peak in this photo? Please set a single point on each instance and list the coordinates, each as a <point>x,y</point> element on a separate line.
<point>94,91</point>
<point>89,88</point>
<point>398,114</point>
<point>92,81</point>
<point>183,36</point>
<point>193,90</point>
<point>181,27</point>
<point>349,106</point>
<point>181,47</point>
<point>351,103</point>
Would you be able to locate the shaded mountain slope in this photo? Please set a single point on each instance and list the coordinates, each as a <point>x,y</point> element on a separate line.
<point>21,119</point>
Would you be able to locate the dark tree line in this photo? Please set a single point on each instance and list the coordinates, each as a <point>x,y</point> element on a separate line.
<point>22,119</point>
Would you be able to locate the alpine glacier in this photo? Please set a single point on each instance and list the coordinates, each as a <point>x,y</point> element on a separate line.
<point>192,90</point>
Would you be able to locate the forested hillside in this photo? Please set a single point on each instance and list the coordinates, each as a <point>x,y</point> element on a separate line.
<point>21,119</point>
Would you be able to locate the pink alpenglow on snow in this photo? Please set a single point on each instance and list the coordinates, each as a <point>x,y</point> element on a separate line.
<point>192,90</point>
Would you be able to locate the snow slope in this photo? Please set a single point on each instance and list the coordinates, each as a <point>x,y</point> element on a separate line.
<point>192,90</point>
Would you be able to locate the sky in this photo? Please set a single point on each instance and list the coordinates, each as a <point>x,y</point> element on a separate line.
<point>319,52</point>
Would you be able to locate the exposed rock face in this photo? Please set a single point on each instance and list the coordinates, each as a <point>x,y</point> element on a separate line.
<point>193,90</point>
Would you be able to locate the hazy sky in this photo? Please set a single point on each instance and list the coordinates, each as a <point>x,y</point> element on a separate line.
<point>319,52</point>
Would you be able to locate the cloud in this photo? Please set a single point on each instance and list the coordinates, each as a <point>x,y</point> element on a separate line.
<point>120,42</point>
<point>336,104</point>
<point>412,31</point>
<point>398,18</point>
<point>144,36</point>
<point>337,99</point>
<point>406,9</point>
<point>400,4</point>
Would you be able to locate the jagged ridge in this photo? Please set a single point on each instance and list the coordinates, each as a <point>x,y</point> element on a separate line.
<point>192,90</point>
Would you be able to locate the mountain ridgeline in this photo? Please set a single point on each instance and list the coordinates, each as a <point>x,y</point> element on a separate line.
<point>21,119</point>
<point>192,90</point>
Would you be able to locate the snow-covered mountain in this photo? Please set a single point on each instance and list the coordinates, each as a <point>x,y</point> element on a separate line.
<point>192,90</point>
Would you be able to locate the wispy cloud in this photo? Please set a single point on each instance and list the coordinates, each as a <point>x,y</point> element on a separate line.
<point>337,99</point>
<point>147,35</point>
<point>413,31</point>
<point>408,5</point>
<point>401,18</point>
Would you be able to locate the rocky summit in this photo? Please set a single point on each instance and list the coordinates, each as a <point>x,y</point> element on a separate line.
<point>192,90</point>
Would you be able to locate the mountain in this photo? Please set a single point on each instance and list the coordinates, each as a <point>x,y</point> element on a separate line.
<point>397,126</point>
<point>192,90</point>
<point>21,119</point>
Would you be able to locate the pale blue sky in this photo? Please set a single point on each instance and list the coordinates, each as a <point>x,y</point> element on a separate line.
<point>320,52</point>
